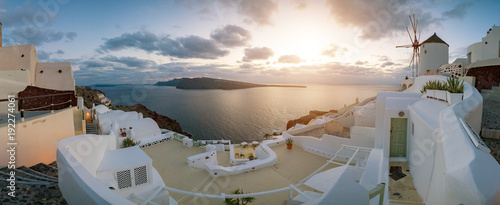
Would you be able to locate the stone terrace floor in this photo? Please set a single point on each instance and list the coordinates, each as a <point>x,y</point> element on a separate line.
<point>293,165</point>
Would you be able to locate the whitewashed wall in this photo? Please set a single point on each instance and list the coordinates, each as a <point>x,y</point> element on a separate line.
<point>37,137</point>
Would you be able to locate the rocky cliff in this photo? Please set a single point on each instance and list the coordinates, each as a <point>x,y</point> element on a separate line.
<point>90,96</point>
<point>163,121</point>
<point>305,119</point>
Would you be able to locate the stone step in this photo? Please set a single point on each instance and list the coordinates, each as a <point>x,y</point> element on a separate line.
<point>496,88</point>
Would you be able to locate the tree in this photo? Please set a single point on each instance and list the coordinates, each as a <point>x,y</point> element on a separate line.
<point>238,201</point>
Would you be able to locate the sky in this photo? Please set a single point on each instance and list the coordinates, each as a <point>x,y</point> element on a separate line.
<point>258,41</point>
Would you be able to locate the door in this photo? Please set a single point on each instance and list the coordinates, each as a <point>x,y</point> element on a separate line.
<point>398,137</point>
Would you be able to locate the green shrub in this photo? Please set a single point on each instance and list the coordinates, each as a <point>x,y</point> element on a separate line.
<point>128,142</point>
<point>289,140</point>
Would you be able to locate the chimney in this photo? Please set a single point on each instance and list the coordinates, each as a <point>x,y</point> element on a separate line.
<point>0,34</point>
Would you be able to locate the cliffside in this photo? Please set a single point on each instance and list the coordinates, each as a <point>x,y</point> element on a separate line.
<point>163,121</point>
<point>90,96</point>
<point>305,119</point>
<point>211,83</point>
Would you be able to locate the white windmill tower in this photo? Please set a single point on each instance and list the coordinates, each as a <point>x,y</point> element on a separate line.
<point>433,54</point>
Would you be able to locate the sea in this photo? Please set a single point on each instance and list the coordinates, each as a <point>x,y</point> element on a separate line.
<point>243,114</point>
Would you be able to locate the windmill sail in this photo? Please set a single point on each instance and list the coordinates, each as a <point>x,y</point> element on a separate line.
<point>415,44</point>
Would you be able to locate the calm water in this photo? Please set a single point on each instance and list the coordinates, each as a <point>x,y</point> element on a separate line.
<point>239,114</point>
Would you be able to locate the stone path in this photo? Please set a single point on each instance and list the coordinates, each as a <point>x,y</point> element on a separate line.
<point>491,120</point>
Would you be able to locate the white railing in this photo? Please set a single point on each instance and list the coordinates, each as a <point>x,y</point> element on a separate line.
<point>356,153</point>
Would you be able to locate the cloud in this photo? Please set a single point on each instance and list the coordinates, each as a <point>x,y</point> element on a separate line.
<point>42,55</point>
<point>254,11</point>
<point>458,11</point>
<point>387,64</point>
<point>378,18</point>
<point>231,36</point>
<point>333,50</point>
<point>383,58</point>
<point>130,61</point>
<point>257,53</point>
<point>360,62</point>
<point>37,36</point>
<point>289,59</point>
<point>143,40</point>
<point>258,11</point>
<point>21,22</point>
<point>71,35</point>
<point>92,64</point>
<point>181,47</point>
<point>299,4</point>
<point>45,56</point>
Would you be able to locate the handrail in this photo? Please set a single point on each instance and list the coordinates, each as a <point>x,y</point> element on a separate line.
<point>51,105</point>
<point>378,190</point>
<point>38,96</point>
<point>223,196</point>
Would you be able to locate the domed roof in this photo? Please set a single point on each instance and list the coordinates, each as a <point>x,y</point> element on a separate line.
<point>434,39</point>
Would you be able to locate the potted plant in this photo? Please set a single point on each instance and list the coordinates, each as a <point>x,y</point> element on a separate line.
<point>238,201</point>
<point>455,90</point>
<point>122,133</point>
<point>289,142</point>
<point>128,142</point>
<point>440,92</point>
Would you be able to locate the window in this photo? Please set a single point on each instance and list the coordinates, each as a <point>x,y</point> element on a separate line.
<point>425,51</point>
<point>412,129</point>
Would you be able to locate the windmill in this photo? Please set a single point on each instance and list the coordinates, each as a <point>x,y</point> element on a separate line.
<point>415,44</point>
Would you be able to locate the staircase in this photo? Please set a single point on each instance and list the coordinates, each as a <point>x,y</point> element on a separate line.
<point>491,95</point>
<point>91,129</point>
<point>37,184</point>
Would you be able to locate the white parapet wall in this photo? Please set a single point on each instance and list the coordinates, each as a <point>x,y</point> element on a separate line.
<point>327,145</point>
<point>200,160</point>
<point>92,171</point>
<point>265,157</point>
<point>37,137</point>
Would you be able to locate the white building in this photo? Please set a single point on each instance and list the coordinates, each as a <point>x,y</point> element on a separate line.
<point>488,48</point>
<point>36,134</point>
<point>433,54</point>
<point>19,67</point>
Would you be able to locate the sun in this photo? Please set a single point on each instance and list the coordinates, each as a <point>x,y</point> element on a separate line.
<point>308,48</point>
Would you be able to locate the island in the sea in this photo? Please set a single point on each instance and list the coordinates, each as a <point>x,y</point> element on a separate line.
<point>212,83</point>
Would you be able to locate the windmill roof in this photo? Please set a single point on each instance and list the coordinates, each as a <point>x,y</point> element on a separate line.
<point>434,39</point>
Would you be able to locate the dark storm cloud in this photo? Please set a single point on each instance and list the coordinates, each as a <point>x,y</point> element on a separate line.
<point>181,47</point>
<point>231,36</point>
<point>289,59</point>
<point>257,53</point>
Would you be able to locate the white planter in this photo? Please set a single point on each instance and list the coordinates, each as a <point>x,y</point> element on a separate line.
<point>454,97</point>
<point>440,95</point>
<point>430,93</point>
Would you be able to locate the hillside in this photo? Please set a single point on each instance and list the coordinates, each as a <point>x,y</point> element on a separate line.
<point>212,83</point>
